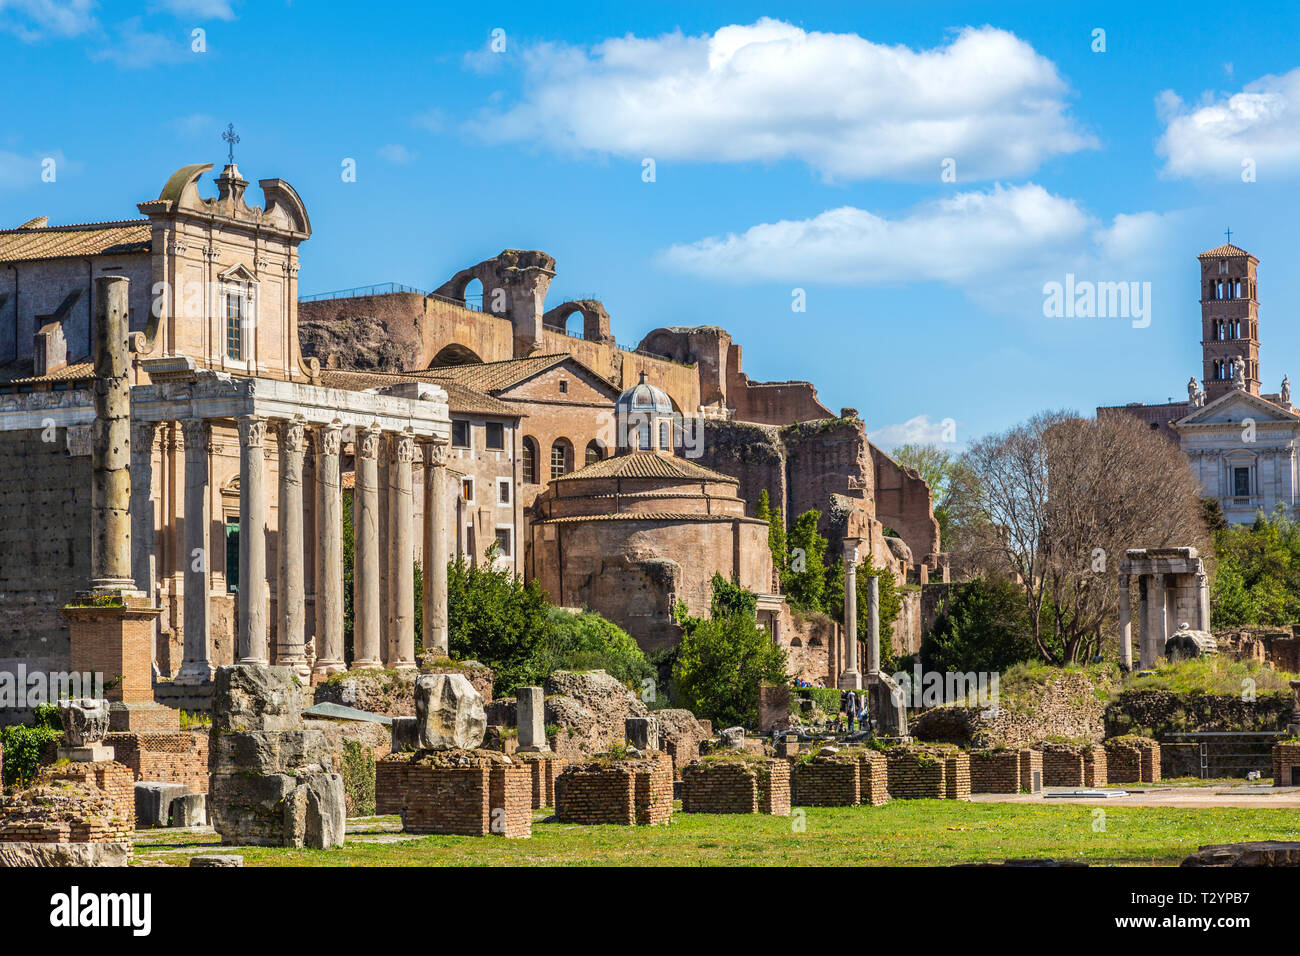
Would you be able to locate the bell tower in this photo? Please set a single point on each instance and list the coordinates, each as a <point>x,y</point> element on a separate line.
<point>1229,320</point>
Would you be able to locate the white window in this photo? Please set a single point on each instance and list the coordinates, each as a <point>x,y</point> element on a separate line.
<point>503,491</point>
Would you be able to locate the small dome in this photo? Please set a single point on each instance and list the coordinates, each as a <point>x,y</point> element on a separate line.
<point>644,397</point>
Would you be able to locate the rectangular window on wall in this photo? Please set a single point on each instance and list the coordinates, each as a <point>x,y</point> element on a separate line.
<point>495,436</point>
<point>467,490</point>
<point>503,491</point>
<point>459,433</point>
<point>503,541</point>
<point>1241,482</point>
<point>234,326</point>
<point>232,556</point>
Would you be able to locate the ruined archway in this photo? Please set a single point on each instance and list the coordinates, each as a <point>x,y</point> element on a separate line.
<point>595,320</point>
<point>455,354</point>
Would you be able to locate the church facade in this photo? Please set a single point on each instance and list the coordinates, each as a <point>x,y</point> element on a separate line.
<point>1240,442</point>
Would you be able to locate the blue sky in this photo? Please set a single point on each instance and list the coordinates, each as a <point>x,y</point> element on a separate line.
<point>795,146</point>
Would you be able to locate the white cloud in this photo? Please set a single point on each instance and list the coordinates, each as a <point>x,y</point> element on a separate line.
<point>770,91</point>
<point>396,153</point>
<point>1260,123</point>
<point>919,430</point>
<point>136,48</point>
<point>196,124</point>
<point>434,120</point>
<point>202,9</point>
<point>32,20</point>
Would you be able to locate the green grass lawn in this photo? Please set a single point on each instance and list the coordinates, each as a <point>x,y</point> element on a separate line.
<point>901,833</point>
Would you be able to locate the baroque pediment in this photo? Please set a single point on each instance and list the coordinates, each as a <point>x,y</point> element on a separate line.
<point>1235,406</point>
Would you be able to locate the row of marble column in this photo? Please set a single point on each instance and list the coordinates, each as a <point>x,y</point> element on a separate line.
<point>1153,614</point>
<point>371,621</point>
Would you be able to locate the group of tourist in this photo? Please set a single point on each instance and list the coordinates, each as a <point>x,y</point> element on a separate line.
<point>855,712</point>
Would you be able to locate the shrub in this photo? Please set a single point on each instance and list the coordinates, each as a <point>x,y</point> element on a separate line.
<point>497,619</point>
<point>358,773</point>
<point>587,641</point>
<point>22,751</point>
<point>720,665</point>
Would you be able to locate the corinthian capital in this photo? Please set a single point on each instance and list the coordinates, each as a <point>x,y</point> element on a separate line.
<point>252,431</point>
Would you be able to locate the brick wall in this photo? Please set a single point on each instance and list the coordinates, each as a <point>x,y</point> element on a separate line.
<point>826,781</point>
<point>1132,760</point>
<point>995,771</point>
<point>1094,766</point>
<point>627,792</point>
<point>737,786</point>
<point>177,757</point>
<point>73,803</point>
<point>542,770</point>
<point>1031,771</point>
<point>1286,759</point>
<point>1074,765</point>
<point>873,778</point>
<point>916,774</point>
<point>390,783</point>
<point>467,801</point>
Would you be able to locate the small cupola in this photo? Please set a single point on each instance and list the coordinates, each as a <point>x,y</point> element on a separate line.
<point>644,414</point>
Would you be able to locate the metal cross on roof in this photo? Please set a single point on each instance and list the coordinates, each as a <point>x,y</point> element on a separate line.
<point>1229,235</point>
<point>232,138</point>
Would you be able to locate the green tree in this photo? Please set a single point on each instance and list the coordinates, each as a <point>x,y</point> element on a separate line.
<point>495,618</point>
<point>775,533</point>
<point>1258,575</point>
<point>981,626</point>
<point>721,663</point>
<point>805,579</point>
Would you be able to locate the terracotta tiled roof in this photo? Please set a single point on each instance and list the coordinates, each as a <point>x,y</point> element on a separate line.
<point>459,398</point>
<point>646,464</point>
<point>85,239</point>
<point>15,373</point>
<point>492,376</point>
<point>1223,252</point>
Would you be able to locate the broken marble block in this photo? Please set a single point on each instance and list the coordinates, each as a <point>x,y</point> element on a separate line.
<point>314,813</point>
<point>269,751</point>
<point>249,697</point>
<point>642,732</point>
<point>85,721</point>
<point>449,713</point>
<point>153,802</point>
<point>733,738</point>
<point>190,810</point>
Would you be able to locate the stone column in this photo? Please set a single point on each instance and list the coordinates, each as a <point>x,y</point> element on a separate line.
<point>850,679</point>
<point>291,643</point>
<point>873,626</point>
<point>530,718</point>
<point>252,541</point>
<point>329,552</point>
<point>142,512</point>
<point>1202,600</point>
<point>1159,619</point>
<point>384,490</point>
<point>366,612</point>
<point>110,486</point>
<point>1144,622</point>
<point>196,668</point>
<point>1125,625</point>
<point>435,637</point>
<point>402,554</point>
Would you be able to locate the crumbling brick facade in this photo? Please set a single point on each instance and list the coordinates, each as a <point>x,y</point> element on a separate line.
<point>176,757</point>
<point>995,771</point>
<point>543,769</point>
<point>1132,760</point>
<point>928,773</point>
<point>637,792</point>
<point>873,779</point>
<point>486,795</point>
<point>826,781</point>
<point>737,785</point>
<point>74,803</point>
<point>1286,765</point>
<point>1074,765</point>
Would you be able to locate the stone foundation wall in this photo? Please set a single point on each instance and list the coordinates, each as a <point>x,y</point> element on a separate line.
<point>626,792</point>
<point>74,803</point>
<point>916,774</point>
<point>995,771</point>
<point>1132,760</point>
<point>490,799</point>
<point>178,757</point>
<point>1074,765</point>
<point>737,786</point>
<point>390,783</point>
<point>956,776</point>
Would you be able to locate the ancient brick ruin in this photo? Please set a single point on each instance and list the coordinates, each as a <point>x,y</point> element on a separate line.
<point>630,791</point>
<point>1074,765</point>
<point>737,783</point>
<point>1132,759</point>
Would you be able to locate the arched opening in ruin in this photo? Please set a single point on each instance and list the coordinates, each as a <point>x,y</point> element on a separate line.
<point>595,452</point>
<point>455,355</point>
<point>473,295</point>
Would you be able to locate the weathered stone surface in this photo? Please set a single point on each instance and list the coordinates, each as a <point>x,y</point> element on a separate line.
<point>217,859</point>
<point>85,721</point>
<point>448,713</point>
<point>733,738</point>
<point>287,751</point>
<point>591,709</point>
<point>249,809</point>
<point>1186,643</point>
<point>64,854</point>
<point>391,693</point>
<point>191,810</point>
<point>249,697</point>
<point>314,814</point>
<point>153,802</point>
<point>531,719</point>
<point>643,732</point>
<point>405,735</point>
<point>1258,853</point>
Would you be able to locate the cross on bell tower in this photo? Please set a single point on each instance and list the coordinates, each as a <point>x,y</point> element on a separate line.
<point>1229,319</point>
